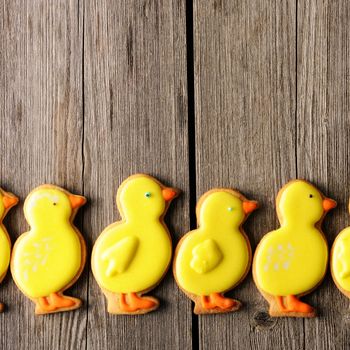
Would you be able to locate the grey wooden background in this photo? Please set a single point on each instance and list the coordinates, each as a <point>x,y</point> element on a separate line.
<point>238,93</point>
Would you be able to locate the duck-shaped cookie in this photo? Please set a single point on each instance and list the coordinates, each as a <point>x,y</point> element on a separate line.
<point>292,261</point>
<point>340,261</point>
<point>216,256</point>
<point>50,257</point>
<point>131,256</point>
<point>7,201</point>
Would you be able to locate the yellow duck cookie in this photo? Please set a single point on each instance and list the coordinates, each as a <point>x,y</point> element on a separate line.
<point>50,257</point>
<point>340,261</point>
<point>7,201</point>
<point>292,261</point>
<point>216,256</point>
<point>131,256</point>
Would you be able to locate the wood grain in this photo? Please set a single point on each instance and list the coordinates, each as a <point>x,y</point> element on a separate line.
<point>92,91</point>
<point>136,121</point>
<point>41,142</point>
<point>323,143</point>
<point>245,139</point>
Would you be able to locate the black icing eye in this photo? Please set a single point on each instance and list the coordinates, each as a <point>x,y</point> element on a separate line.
<point>310,195</point>
<point>54,203</point>
<point>148,194</point>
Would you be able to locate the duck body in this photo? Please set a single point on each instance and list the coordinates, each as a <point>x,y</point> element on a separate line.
<point>227,251</point>
<point>52,255</point>
<point>291,261</point>
<point>216,256</point>
<point>131,256</point>
<point>49,257</point>
<point>7,201</point>
<point>340,261</point>
<point>5,251</point>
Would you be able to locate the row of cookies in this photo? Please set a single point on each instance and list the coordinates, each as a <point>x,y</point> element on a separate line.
<point>131,256</point>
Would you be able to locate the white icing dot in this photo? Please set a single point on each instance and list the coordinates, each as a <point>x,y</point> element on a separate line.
<point>25,275</point>
<point>286,265</point>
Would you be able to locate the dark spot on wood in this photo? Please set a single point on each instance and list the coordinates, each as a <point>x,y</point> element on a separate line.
<point>217,5</point>
<point>181,114</point>
<point>156,16</point>
<point>59,31</point>
<point>111,105</point>
<point>30,26</point>
<point>19,112</point>
<point>262,320</point>
<point>129,49</point>
<point>145,9</point>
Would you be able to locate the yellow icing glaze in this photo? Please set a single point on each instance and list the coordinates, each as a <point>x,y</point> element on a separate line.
<point>5,244</point>
<point>48,257</point>
<point>293,259</point>
<point>133,255</point>
<point>216,256</point>
<point>341,259</point>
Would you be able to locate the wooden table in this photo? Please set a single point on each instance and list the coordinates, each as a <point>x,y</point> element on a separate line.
<point>235,93</point>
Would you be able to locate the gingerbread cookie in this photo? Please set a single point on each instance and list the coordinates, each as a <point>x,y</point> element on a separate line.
<point>7,201</point>
<point>292,260</point>
<point>131,256</point>
<point>340,261</point>
<point>50,257</point>
<point>215,257</point>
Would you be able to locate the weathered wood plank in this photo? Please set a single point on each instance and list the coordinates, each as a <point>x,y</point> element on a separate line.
<point>41,142</point>
<point>323,143</point>
<point>136,121</point>
<point>245,122</point>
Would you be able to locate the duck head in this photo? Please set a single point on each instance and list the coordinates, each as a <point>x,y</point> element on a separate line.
<point>143,197</point>
<point>7,201</point>
<point>48,204</point>
<point>223,208</point>
<point>300,203</point>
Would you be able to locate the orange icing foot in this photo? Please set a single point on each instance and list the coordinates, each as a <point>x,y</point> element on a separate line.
<point>135,303</point>
<point>206,302</point>
<point>293,305</point>
<point>217,300</point>
<point>55,302</point>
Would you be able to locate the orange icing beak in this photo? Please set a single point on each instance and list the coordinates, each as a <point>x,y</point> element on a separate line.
<point>249,206</point>
<point>76,201</point>
<point>9,201</point>
<point>328,204</point>
<point>169,193</point>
